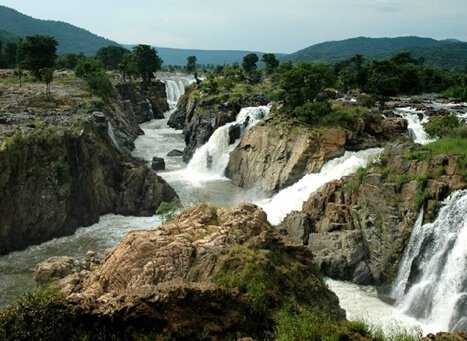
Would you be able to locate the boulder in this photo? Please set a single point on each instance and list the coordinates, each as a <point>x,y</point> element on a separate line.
<point>158,163</point>
<point>175,152</point>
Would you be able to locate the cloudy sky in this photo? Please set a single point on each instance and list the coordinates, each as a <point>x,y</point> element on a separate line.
<point>265,25</point>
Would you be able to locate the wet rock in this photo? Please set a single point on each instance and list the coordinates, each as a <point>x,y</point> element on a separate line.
<point>234,133</point>
<point>158,163</point>
<point>145,102</point>
<point>359,226</point>
<point>175,152</point>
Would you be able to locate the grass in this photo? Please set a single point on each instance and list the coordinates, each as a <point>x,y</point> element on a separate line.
<point>168,211</point>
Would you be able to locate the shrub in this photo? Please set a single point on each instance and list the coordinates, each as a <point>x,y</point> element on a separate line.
<point>168,210</point>
<point>38,315</point>
<point>441,126</point>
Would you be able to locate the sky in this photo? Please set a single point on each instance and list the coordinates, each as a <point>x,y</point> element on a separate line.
<point>260,25</point>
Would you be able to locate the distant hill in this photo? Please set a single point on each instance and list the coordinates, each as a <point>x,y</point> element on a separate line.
<point>442,53</point>
<point>71,39</point>
<point>172,56</point>
<point>6,36</point>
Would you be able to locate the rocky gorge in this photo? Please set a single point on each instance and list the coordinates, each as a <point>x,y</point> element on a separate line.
<point>67,164</point>
<point>221,273</point>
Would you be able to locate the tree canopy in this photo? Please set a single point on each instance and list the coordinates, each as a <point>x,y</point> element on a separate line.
<point>147,61</point>
<point>111,56</point>
<point>38,52</point>
<point>270,61</point>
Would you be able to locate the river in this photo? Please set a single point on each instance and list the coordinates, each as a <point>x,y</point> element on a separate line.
<point>195,184</point>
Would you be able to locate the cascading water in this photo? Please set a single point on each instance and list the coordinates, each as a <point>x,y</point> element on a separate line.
<point>432,279</point>
<point>175,88</point>
<point>415,120</point>
<point>292,198</point>
<point>210,160</point>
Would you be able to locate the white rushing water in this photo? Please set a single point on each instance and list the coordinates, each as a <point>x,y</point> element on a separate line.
<point>175,88</point>
<point>435,290</point>
<point>292,198</point>
<point>415,119</point>
<point>17,268</point>
<point>210,160</point>
<point>361,302</point>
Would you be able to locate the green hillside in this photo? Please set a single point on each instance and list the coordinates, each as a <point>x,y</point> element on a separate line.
<point>444,53</point>
<point>6,36</point>
<point>72,39</point>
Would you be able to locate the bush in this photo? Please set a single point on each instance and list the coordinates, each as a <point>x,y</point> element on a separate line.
<point>168,210</point>
<point>38,315</point>
<point>99,84</point>
<point>440,126</point>
<point>312,112</point>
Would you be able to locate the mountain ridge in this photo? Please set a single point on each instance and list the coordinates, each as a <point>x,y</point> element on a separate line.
<point>434,52</point>
<point>71,39</point>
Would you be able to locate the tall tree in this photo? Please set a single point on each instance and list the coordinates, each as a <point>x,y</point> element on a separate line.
<point>249,62</point>
<point>191,64</point>
<point>191,67</point>
<point>127,67</point>
<point>270,61</point>
<point>111,56</point>
<point>147,61</point>
<point>38,52</point>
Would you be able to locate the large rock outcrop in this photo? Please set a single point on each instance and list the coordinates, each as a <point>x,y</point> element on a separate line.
<point>274,154</point>
<point>61,172</point>
<point>218,272</point>
<point>357,227</point>
<point>145,102</point>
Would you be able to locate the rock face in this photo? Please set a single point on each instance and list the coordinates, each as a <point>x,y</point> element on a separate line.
<point>203,273</point>
<point>199,118</point>
<point>66,174</point>
<point>357,227</point>
<point>146,103</point>
<point>274,155</point>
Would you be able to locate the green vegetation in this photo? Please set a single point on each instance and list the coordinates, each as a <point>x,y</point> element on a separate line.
<point>168,210</point>
<point>111,56</point>
<point>37,53</point>
<point>440,126</point>
<point>93,72</point>
<point>39,315</point>
<point>435,53</point>
<point>147,62</point>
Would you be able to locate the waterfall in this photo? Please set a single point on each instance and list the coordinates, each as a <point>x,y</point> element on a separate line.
<point>211,159</point>
<point>292,198</point>
<point>175,88</point>
<point>415,120</point>
<point>432,281</point>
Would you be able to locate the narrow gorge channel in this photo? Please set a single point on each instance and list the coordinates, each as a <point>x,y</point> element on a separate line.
<point>203,179</point>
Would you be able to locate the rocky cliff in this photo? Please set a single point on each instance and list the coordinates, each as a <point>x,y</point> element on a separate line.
<point>61,173</point>
<point>63,163</point>
<point>357,227</point>
<point>275,154</point>
<point>199,117</point>
<point>221,273</point>
<point>144,103</point>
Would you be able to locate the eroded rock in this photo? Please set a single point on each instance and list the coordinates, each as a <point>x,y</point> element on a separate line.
<point>194,274</point>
